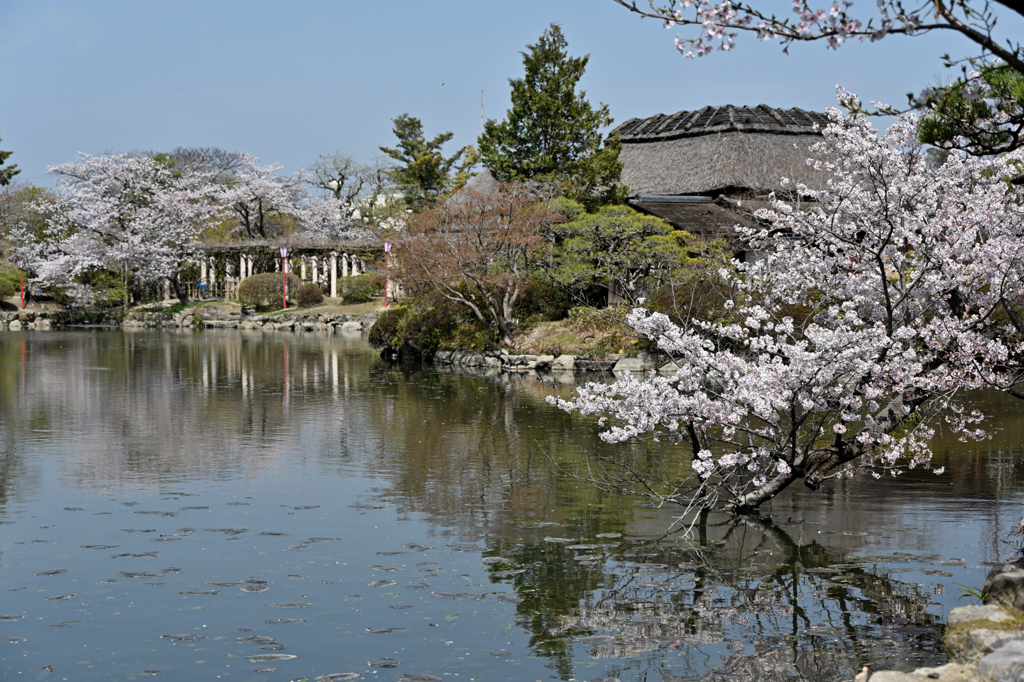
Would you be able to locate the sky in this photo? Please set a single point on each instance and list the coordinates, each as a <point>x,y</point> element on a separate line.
<point>288,82</point>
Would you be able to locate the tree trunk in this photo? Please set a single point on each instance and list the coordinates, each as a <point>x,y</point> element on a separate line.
<point>179,290</point>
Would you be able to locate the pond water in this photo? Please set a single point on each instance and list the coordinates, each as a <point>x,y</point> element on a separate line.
<point>236,506</point>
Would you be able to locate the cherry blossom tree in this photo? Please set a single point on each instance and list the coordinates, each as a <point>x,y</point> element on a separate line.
<point>719,22</point>
<point>851,340</point>
<point>131,215</point>
<point>258,198</point>
<point>328,219</point>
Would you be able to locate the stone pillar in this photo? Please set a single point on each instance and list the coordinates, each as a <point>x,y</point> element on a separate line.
<point>167,289</point>
<point>241,267</point>
<point>302,273</point>
<point>355,266</point>
<point>344,265</point>
<point>250,266</point>
<point>202,277</point>
<point>334,278</point>
<point>315,262</point>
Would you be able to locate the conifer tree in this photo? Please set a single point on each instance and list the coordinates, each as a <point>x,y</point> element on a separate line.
<point>7,174</point>
<point>552,133</point>
<point>425,173</point>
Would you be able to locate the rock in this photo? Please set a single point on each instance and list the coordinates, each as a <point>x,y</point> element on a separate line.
<point>967,646</point>
<point>1004,665</point>
<point>543,362</point>
<point>989,612</point>
<point>1005,585</point>
<point>894,676</point>
<point>951,672</point>
<point>565,362</point>
<point>15,325</point>
<point>629,365</point>
<point>491,362</point>
<point>443,357</point>
<point>351,326</point>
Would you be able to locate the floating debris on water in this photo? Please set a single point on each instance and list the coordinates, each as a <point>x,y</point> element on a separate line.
<point>608,535</point>
<point>595,639</point>
<point>387,569</point>
<point>254,589</point>
<point>11,616</point>
<point>98,546</point>
<point>335,677</point>
<point>183,638</point>
<point>291,605</point>
<point>284,621</point>
<point>263,658</point>
<point>61,597</point>
<point>382,583</point>
<point>199,592</point>
<point>497,560</point>
<point>256,639</point>
<point>417,677</point>
<point>56,571</point>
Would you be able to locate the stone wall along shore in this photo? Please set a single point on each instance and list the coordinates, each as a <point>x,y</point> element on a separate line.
<point>503,361</point>
<point>296,321</point>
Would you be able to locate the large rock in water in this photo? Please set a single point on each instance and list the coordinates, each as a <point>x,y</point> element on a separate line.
<point>976,631</point>
<point>1005,585</point>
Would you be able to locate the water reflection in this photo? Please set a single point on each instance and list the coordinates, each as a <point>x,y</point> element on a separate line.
<point>311,435</point>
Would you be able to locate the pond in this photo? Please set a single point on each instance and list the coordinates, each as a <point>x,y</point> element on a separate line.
<point>249,506</point>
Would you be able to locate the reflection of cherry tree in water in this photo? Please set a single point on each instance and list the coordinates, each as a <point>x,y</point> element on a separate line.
<point>743,598</point>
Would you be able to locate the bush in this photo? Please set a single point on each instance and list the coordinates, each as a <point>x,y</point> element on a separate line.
<point>263,291</point>
<point>360,289</point>
<point>9,283</point>
<point>387,331</point>
<point>308,295</point>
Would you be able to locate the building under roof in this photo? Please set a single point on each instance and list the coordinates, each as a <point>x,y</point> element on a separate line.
<point>708,170</point>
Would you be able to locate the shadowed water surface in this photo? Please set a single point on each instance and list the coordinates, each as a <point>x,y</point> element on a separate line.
<point>225,505</point>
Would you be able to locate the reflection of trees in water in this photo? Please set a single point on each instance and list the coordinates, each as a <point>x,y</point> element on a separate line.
<point>744,597</point>
<point>473,451</point>
<point>150,407</point>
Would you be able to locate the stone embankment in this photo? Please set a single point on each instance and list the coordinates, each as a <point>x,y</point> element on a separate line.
<point>296,321</point>
<point>30,320</point>
<point>505,362</point>
<point>984,643</point>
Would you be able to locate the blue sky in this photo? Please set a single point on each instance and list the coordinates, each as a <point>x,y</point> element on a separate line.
<point>290,81</point>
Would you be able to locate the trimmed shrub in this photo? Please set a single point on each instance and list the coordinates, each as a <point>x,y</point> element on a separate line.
<point>359,289</point>
<point>9,284</point>
<point>387,331</point>
<point>263,291</point>
<point>308,295</point>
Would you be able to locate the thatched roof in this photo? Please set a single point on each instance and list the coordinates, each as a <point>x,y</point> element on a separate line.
<point>719,149</point>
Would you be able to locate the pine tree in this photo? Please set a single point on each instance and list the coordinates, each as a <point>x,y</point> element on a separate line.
<point>7,174</point>
<point>552,133</point>
<point>426,174</point>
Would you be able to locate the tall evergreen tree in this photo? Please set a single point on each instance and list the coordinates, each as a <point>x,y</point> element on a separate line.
<point>425,173</point>
<point>552,132</point>
<point>7,174</point>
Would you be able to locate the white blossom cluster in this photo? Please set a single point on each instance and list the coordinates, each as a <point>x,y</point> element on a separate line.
<point>867,316</point>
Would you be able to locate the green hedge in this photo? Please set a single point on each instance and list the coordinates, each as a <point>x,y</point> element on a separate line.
<point>263,291</point>
<point>309,295</point>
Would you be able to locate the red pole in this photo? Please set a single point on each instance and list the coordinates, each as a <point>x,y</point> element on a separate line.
<point>284,284</point>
